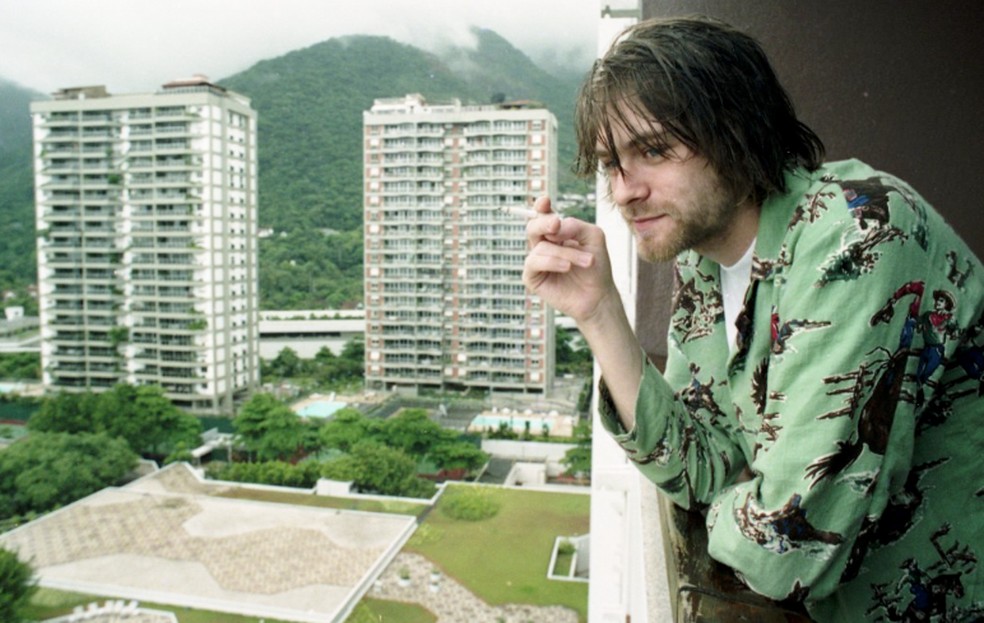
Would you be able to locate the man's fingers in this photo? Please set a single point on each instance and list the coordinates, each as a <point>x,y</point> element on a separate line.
<point>542,205</point>
<point>549,257</point>
<point>542,227</point>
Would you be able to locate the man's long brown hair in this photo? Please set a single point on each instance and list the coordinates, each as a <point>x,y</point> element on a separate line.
<point>707,84</point>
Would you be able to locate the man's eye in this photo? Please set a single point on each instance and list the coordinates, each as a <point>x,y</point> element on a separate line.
<point>654,152</point>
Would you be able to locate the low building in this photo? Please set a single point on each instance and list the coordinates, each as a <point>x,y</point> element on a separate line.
<point>308,331</point>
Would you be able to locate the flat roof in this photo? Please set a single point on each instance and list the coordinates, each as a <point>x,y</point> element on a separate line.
<point>163,538</point>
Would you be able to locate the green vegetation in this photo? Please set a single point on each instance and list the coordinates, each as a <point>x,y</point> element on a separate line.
<point>270,430</point>
<point>80,443</point>
<point>17,254</point>
<point>326,372</point>
<point>141,415</point>
<point>309,269</point>
<point>49,603</point>
<point>303,475</point>
<point>396,507</point>
<point>578,459</point>
<point>470,503</point>
<point>44,471</point>
<point>573,355</point>
<point>374,467</point>
<point>21,366</point>
<point>565,558</point>
<point>482,554</point>
<point>371,610</point>
<point>377,456</point>
<point>16,587</point>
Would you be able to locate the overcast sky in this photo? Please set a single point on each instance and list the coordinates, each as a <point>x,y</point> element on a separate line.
<point>137,45</point>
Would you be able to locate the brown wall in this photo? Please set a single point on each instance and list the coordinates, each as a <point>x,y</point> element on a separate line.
<point>898,84</point>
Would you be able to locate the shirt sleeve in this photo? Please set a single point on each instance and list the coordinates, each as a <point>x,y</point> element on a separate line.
<point>671,446</point>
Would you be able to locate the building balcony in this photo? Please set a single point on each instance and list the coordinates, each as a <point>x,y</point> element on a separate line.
<point>61,150</point>
<point>169,212</point>
<point>98,137</point>
<point>93,359</point>
<point>151,278</point>
<point>154,336</point>
<point>62,135</point>
<point>411,374</point>
<point>162,292</point>
<point>176,113</point>
<point>60,120</point>
<point>142,226</point>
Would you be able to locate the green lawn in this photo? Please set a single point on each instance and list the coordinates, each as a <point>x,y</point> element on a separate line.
<point>505,559</point>
<point>372,610</point>
<point>49,603</point>
<point>502,560</point>
<point>563,564</point>
<point>307,499</point>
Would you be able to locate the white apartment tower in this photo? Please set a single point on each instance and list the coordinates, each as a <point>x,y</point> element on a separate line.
<point>147,258</point>
<point>445,303</point>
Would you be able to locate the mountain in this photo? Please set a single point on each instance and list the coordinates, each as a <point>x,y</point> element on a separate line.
<point>310,103</point>
<point>504,72</point>
<point>17,250</point>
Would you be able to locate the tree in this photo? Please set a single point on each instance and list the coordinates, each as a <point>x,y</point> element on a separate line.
<point>458,455</point>
<point>354,351</point>
<point>335,371</point>
<point>149,422</point>
<point>43,471</point>
<point>17,584</point>
<point>303,474</point>
<point>572,358</point>
<point>414,433</point>
<point>346,427</point>
<point>20,366</point>
<point>504,431</point>
<point>270,429</point>
<point>344,469</point>
<point>375,467</point>
<point>142,415</point>
<point>578,459</point>
<point>65,413</point>
<point>286,364</point>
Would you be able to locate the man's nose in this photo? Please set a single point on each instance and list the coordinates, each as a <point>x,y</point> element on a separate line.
<point>627,187</point>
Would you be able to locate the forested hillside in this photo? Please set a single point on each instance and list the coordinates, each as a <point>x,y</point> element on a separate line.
<point>310,105</point>
<point>17,252</point>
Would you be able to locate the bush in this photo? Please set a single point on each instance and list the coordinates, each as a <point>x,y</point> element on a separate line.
<point>470,503</point>
<point>566,548</point>
<point>17,584</point>
<point>303,475</point>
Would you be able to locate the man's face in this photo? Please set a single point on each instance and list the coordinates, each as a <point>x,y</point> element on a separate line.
<point>673,200</point>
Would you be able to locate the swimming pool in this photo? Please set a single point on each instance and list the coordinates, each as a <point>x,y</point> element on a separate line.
<point>517,423</point>
<point>321,408</point>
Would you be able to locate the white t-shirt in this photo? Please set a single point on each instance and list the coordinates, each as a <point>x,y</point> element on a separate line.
<point>734,283</point>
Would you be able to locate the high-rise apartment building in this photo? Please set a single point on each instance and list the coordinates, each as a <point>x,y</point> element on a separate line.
<point>147,258</point>
<point>444,298</point>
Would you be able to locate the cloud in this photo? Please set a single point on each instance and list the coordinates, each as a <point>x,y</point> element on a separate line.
<point>136,45</point>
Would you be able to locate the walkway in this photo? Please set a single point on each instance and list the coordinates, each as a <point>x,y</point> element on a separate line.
<point>453,603</point>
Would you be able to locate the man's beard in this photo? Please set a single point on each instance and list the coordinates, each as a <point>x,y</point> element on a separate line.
<point>692,227</point>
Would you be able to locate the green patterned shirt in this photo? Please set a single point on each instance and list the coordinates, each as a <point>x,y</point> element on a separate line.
<point>853,396</point>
